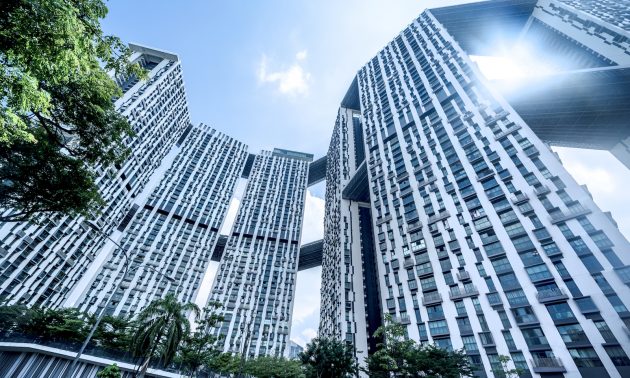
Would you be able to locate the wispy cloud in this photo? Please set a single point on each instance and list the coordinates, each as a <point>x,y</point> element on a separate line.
<point>292,81</point>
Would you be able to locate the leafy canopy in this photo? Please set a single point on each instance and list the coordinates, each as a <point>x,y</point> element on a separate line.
<point>162,326</point>
<point>57,116</point>
<point>328,358</point>
<point>200,347</point>
<point>403,357</point>
<point>110,371</point>
<point>273,367</point>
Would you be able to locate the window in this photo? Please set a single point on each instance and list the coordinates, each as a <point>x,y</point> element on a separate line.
<point>534,337</point>
<point>516,297</point>
<point>501,265</point>
<point>509,281</point>
<point>539,272</point>
<point>605,331</point>
<point>585,357</point>
<point>579,246</point>
<point>523,243</point>
<point>435,312</point>
<point>591,263</point>
<point>572,333</point>
<point>444,344</point>
<point>470,344</point>
<point>616,302</point>
<point>519,361</point>
<point>618,356</point>
<point>428,283</point>
<point>460,307</point>
<point>509,340</point>
<point>551,249</point>
<point>438,327</point>
<point>524,315</point>
<point>505,320</point>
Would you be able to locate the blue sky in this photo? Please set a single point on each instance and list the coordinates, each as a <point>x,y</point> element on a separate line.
<point>272,74</point>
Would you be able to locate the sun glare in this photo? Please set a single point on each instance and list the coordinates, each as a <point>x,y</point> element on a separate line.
<point>513,66</point>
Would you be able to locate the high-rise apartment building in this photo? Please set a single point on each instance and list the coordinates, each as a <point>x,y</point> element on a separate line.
<point>446,210</point>
<point>41,263</point>
<point>445,207</point>
<point>170,238</point>
<point>255,281</point>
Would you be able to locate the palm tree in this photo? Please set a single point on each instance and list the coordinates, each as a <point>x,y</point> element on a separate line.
<point>161,326</point>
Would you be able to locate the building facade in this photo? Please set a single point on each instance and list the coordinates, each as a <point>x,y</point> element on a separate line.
<point>170,238</point>
<point>40,264</point>
<point>255,281</point>
<point>482,240</point>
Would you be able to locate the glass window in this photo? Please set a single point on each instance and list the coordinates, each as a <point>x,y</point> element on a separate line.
<point>616,302</point>
<point>516,297</point>
<point>572,333</point>
<point>524,315</point>
<point>585,357</point>
<point>505,320</point>
<point>538,272</point>
<point>617,355</point>
<point>560,311</point>
<point>509,340</point>
<point>591,263</point>
<point>470,344</point>
<point>534,337</point>
<point>444,344</point>
<point>438,327</point>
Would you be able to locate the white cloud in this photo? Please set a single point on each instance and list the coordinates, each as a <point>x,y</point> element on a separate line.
<point>292,81</point>
<point>301,55</point>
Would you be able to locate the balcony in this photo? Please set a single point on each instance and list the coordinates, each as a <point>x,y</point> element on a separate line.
<point>463,275</point>
<point>548,365</point>
<point>402,319</point>
<point>551,295</point>
<point>507,132</point>
<point>573,212</point>
<point>494,299</point>
<point>542,190</point>
<point>531,151</point>
<point>463,292</point>
<point>431,298</point>
<point>437,217</point>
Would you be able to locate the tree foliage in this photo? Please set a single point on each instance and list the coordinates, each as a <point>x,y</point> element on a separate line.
<point>328,358</point>
<point>111,371</point>
<point>504,371</point>
<point>57,116</point>
<point>199,347</point>
<point>65,324</point>
<point>161,327</point>
<point>223,363</point>
<point>273,367</point>
<point>402,357</point>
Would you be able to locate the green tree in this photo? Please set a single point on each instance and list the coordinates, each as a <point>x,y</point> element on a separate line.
<point>400,356</point>
<point>11,318</point>
<point>57,117</point>
<point>111,371</point>
<point>273,367</point>
<point>505,371</point>
<point>66,324</point>
<point>161,327</point>
<point>200,346</point>
<point>223,363</point>
<point>113,332</point>
<point>328,358</point>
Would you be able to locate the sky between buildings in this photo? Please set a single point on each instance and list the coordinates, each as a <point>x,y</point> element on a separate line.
<point>272,73</point>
